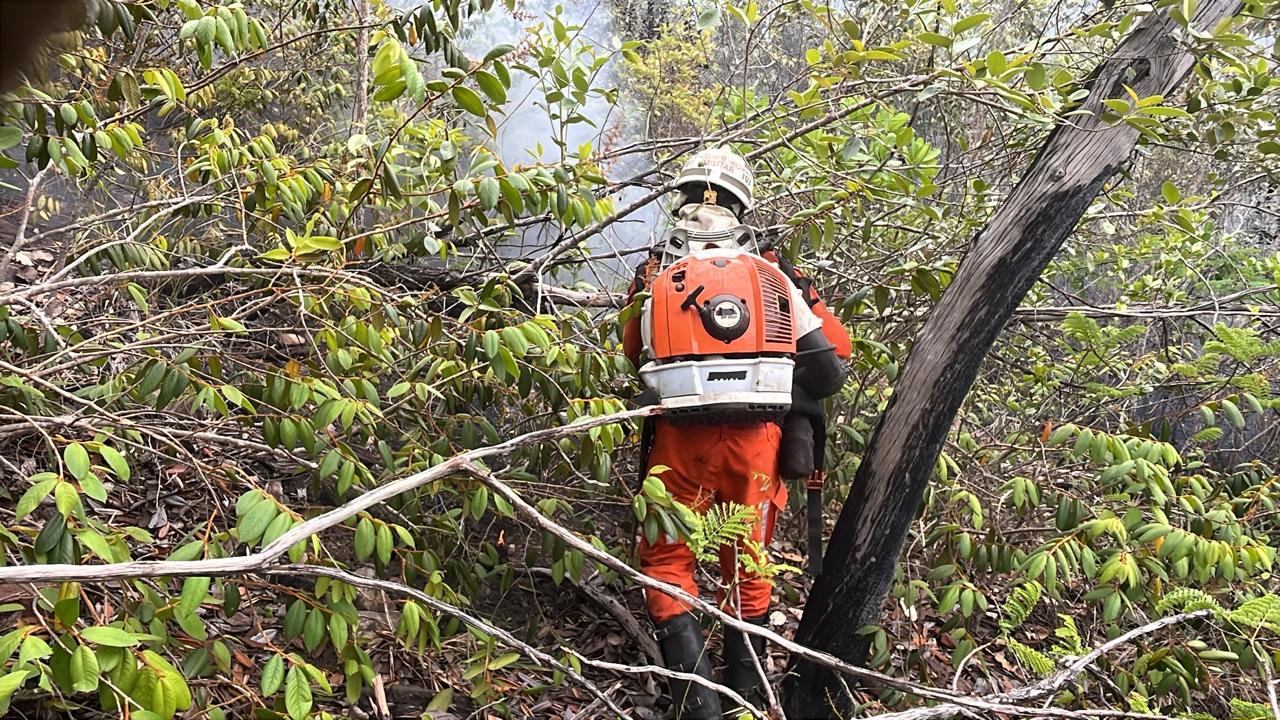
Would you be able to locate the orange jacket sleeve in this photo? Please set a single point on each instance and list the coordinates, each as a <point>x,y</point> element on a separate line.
<point>632,345</point>
<point>835,330</point>
<point>632,342</point>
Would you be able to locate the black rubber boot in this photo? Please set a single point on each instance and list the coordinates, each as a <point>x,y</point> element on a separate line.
<point>683,649</point>
<point>740,673</point>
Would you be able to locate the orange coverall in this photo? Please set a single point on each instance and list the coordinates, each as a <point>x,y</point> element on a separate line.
<point>718,463</point>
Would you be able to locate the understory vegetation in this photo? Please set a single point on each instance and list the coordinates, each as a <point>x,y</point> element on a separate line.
<point>263,260</point>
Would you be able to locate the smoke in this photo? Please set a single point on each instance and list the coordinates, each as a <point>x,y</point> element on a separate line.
<point>528,133</point>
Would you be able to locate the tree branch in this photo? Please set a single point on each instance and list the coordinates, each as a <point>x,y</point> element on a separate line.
<point>258,561</point>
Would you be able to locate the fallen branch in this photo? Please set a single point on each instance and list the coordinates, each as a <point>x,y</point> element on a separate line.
<point>467,462</point>
<point>258,562</point>
<point>155,275</point>
<point>673,674</point>
<point>20,238</point>
<point>950,704</point>
<point>620,614</point>
<point>1062,677</point>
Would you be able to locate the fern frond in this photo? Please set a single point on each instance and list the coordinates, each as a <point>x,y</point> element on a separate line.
<point>1072,643</point>
<point>1032,659</point>
<point>1242,344</point>
<point>1084,329</point>
<point>1260,612</point>
<point>1187,599</point>
<point>1243,710</point>
<point>1018,606</point>
<point>721,524</point>
<point>1127,335</point>
<point>1207,435</point>
<point>1139,703</point>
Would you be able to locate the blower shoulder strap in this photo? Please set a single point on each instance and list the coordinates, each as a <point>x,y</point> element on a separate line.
<point>797,278</point>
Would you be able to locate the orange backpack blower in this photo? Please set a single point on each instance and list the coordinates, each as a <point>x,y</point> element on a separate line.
<point>719,327</point>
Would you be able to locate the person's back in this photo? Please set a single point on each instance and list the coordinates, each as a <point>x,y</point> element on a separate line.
<point>726,457</point>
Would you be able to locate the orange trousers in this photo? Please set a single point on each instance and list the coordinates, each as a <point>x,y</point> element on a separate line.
<point>710,464</point>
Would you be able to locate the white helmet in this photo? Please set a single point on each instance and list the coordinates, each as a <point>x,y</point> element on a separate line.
<point>722,169</point>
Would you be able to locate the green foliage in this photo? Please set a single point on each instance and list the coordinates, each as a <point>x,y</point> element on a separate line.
<point>236,293</point>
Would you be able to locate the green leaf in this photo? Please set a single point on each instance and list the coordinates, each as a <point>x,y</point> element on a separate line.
<point>468,100</point>
<point>970,22</point>
<point>338,631</point>
<point>364,539</point>
<point>190,623</point>
<point>934,38</point>
<point>313,630</point>
<point>10,683</point>
<point>297,694</point>
<point>442,700</point>
<point>248,501</point>
<point>497,52</point>
<point>488,192</point>
<point>709,18</point>
<point>93,487</point>
<point>225,323</point>
<point>491,86</point>
<point>84,669</point>
<point>109,636</point>
<point>66,499</point>
<point>140,297</point>
<point>504,661</point>
<point>174,684</point>
<point>96,544</point>
<point>383,544</point>
<point>272,675</point>
<point>69,116</point>
<point>1170,192</point>
<point>1233,413</point>
<point>255,522</point>
<point>1035,76</point>
<point>30,500</point>
<point>326,243</point>
<point>294,619</point>
<point>279,526</point>
<point>222,32</point>
<point>1218,655</point>
<point>77,460</point>
<point>116,462</point>
<point>9,137</point>
<point>205,29</point>
<point>194,592</point>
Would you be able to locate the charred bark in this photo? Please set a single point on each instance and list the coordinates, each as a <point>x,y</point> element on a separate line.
<point>1004,260</point>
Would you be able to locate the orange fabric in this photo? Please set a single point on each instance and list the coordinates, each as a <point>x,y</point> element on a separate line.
<point>835,331</point>
<point>632,341</point>
<point>710,464</point>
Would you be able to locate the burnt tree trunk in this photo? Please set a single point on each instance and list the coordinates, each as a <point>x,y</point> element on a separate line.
<point>1004,260</point>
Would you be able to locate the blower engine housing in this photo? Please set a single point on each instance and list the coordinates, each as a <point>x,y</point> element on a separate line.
<point>719,328</point>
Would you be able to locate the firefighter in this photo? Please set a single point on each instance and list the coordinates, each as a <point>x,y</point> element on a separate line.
<point>738,462</point>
